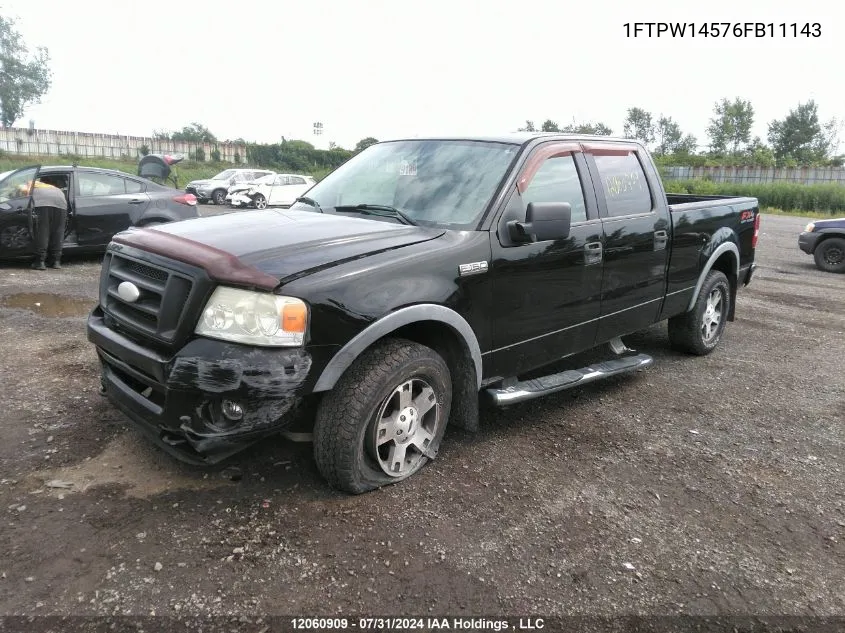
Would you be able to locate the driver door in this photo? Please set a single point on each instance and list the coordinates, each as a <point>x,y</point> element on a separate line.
<point>547,295</point>
<point>17,220</point>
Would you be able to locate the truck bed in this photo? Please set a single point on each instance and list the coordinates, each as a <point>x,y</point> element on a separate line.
<point>692,201</point>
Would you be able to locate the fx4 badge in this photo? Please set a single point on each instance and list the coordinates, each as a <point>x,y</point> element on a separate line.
<point>475,268</point>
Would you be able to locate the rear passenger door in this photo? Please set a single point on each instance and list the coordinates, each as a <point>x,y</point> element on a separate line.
<point>636,231</point>
<point>547,295</point>
<point>106,204</point>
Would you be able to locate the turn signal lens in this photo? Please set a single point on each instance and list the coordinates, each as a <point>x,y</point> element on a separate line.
<point>294,317</point>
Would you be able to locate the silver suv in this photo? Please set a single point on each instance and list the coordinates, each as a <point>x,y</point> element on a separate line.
<point>215,188</point>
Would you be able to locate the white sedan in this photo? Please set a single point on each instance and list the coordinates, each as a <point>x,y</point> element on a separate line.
<point>273,190</point>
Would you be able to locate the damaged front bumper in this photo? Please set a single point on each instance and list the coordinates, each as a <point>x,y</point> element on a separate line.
<point>209,400</point>
<point>239,200</point>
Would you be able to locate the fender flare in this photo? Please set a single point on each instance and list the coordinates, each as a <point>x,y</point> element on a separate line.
<point>725,247</point>
<point>390,323</point>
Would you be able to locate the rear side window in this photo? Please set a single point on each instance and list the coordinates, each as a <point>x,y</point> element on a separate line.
<point>93,184</point>
<point>296,180</point>
<point>624,183</point>
<point>557,181</point>
<point>133,186</point>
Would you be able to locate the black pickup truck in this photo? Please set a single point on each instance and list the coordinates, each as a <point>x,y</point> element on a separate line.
<point>418,276</point>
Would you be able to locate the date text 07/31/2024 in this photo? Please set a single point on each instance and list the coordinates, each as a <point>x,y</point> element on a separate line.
<point>779,30</point>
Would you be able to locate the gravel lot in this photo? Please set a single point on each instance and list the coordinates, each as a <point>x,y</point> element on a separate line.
<point>698,486</point>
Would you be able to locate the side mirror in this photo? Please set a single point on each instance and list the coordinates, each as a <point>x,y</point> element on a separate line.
<point>543,221</point>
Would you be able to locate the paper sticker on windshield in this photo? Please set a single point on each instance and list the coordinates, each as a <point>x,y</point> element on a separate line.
<point>408,168</point>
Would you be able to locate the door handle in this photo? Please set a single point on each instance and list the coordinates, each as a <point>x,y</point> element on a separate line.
<point>660,240</point>
<point>136,201</point>
<point>593,252</point>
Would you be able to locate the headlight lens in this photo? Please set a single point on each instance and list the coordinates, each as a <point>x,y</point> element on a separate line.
<point>810,227</point>
<point>254,318</point>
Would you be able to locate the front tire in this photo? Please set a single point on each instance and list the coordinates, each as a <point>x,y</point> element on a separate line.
<point>385,417</point>
<point>219,197</point>
<point>260,201</point>
<point>700,330</point>
<point>830,255</point>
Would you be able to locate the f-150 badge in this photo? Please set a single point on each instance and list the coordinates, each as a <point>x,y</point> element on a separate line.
<point>475,268</point>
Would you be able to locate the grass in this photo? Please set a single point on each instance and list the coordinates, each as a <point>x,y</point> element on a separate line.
<point>823,199</point>
<point>813,215</point>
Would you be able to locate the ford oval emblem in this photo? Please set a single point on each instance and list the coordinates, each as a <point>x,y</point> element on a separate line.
<point>128,292</point>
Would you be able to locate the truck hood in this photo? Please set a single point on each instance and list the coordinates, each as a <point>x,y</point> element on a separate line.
<point>280,244</point>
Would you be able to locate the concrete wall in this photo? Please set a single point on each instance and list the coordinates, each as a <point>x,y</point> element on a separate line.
<point>14,140</point>
<point>750,175</point>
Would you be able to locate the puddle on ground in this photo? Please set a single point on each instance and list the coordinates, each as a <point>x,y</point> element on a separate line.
<point>49,305</point>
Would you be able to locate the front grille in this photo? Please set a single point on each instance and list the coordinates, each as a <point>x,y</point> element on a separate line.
<point>160,313</point>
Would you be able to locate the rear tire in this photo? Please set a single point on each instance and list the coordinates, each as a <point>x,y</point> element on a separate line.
<point>830,255</point>
<point>385,417</point>
<point>700,330</point>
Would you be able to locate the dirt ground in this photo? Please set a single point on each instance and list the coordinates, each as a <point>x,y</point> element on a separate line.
<point>698,486</point>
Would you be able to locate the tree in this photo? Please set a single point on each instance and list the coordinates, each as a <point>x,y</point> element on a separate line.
<point>24,79</point>
<point>215,155</point>
<point>638,125</point>
<point>194,133</point>
<point>364,143</point>
<point>529,127</point>
<point>599,129</point>
<point>549,126</point>
<point>670,139</point>
<point>801,137</point>
<point>730,129</point>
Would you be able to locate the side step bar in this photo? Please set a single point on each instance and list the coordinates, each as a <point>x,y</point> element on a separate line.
<point>536,387</point>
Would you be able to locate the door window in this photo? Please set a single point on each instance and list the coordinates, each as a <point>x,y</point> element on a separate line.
<point>624,183</point>
<point>296,180</point>
<point>557,180</point>
<point>93,184</point>
<point>281,180</point>
<point>17,185</point>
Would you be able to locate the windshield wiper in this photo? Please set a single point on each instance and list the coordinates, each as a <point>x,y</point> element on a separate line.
<point>381,210</point>
<point>309,201</point>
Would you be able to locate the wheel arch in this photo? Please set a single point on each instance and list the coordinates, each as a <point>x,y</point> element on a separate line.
<point>725,258</point>
<point>423,323</point>
<point>825,235</point>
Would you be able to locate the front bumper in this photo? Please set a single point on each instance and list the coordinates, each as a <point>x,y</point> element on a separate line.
<point>807,241</point>
<point>176,399</point>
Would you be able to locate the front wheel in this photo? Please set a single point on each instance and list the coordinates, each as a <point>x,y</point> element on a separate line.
<point>385,417</point>
<point>830,255</point>
<point>219,197</point>
<point>260,201</point>
<point>700,330</point>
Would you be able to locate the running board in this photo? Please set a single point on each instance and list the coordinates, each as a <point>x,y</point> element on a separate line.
<point>536,387</point>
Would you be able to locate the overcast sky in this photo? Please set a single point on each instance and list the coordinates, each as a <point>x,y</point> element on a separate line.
<point>260,70</point>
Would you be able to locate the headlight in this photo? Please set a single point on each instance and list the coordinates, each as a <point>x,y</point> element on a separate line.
<point>254,318</point>
<point>810,227</point>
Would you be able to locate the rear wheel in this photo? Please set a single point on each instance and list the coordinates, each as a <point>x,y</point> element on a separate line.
<point>260,201</point>
<point>219,197</point>
<point>830,255</point>
<point>385,417</point>
<point>700,330</point>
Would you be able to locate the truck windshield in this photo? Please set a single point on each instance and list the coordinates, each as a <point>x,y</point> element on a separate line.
<point>432,182</point>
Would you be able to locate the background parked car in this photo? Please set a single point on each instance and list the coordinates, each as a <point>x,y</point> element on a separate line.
<point>825,241</point>
<point>274,190</point>
<point>215,188</point>
<point>101,202</point>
